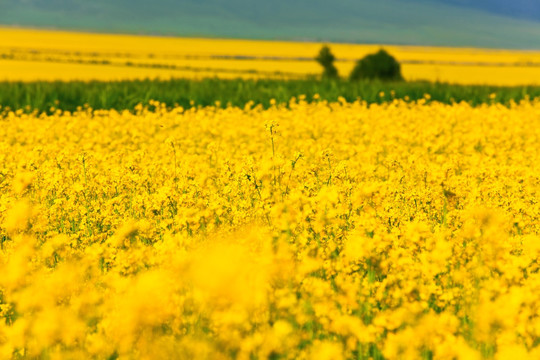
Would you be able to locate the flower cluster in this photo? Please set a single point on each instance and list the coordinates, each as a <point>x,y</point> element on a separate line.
<point>303,231</point>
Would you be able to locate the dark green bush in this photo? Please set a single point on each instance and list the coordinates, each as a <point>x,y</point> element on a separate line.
<point>381,66</point>
<point>326,59</point>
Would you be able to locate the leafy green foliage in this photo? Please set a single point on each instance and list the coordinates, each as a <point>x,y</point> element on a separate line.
<point>123,95</point>
<point>380,65</point>
<point>326,60</point>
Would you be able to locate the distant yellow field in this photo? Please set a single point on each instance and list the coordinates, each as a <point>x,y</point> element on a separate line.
<point>29,55</point>
<point>50,71</point>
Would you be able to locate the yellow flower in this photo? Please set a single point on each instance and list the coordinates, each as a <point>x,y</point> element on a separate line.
<point>18,217</point>
<point>22,181</point>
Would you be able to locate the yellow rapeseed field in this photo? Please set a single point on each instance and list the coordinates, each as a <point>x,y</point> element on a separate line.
<point>309,231</point>
<point>57,55</point>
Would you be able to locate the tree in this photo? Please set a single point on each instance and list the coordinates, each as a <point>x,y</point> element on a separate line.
<point>326,59</point>
<point>380,65</point>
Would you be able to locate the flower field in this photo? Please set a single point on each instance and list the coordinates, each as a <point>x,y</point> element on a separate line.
<point>321,230</point>
<point>40,55</point>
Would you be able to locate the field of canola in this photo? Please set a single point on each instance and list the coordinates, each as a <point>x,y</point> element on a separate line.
<point>40,55</point>
<point>314,231</point>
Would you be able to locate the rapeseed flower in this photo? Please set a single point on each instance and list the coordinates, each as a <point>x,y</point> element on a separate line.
<point>328,230</point>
